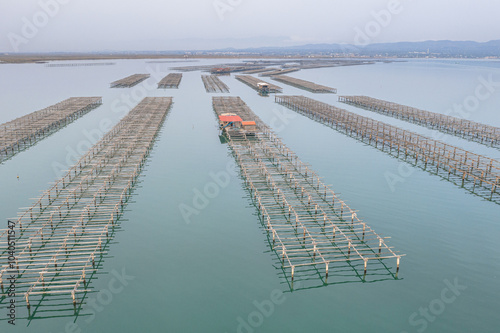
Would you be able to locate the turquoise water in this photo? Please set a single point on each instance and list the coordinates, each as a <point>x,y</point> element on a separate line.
<point>213,270</point>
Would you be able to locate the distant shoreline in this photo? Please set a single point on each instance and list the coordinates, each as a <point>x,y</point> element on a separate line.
<point>42,58</point>
<point>33,58</point>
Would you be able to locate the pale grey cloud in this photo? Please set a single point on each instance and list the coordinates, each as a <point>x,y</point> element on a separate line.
<point>93,25</point>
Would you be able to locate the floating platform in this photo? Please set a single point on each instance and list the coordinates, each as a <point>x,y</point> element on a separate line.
<point>303,84</point>
<point>129,81</point>
<point>213,84</point>
<point>480,173</point>
<point>309,227</point>
<point>172,80</point>
<point>253,82</point>
<point>482,133</point>
<point>21,133</point>
<point>61,239</point>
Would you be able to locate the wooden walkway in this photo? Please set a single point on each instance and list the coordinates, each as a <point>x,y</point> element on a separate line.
<point>252,82</point>
<point>172,80</point>
<point>63,236</point>
<point>480,173</point>
<point>21,133</point>
<point>307,223</point>
<point>213,84</point>
<point>482,133</point>
<point>129,81</point>
<point>303,84</point>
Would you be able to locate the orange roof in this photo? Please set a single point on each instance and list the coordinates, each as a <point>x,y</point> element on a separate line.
<point>230,118</point>
<point>248,123</point>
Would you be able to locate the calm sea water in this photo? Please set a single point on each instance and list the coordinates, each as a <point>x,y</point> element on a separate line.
<point>213,271</point>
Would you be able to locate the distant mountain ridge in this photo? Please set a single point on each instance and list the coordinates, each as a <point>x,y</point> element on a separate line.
<point>431,49</point>
<point>443,48</point>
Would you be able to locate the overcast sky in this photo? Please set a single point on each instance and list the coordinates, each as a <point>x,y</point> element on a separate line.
<point>99,25</point>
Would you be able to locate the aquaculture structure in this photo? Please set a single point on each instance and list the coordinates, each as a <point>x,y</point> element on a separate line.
<point>308,225</point>
<point>481,173</point>
<point>25,131</point>
<point>303,84</point>
<point>172,80</point>
<point>213,84</point>
<point>254,82</point>
<point>482,133</point>
<point>129,81</point>
<point>259,70</point>
<point>62,237</point>
<point>280,71</point>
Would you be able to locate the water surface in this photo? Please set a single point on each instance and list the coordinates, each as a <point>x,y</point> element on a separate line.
<point>207,272</point>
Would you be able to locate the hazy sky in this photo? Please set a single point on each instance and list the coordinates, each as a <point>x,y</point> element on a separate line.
<point>97,25</point>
